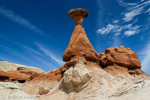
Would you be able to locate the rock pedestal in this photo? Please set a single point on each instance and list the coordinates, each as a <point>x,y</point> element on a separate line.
<point>79,43</point>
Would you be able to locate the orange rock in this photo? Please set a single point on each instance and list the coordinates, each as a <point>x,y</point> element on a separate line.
<point>78,12</point>
<point>27,72</point>
<point>110,61</point>
<point>79,44</point>
<point>74,60</point>
<point>34,75</point>
<point>58,71</point>
<point>138,71</point>
<point>16,75</point>
<point>4,76</point>
<point>54,75</point>
<point>63,68</point>
<point>103,60</point>
<point>78,20</point>
<point>119,50</point>
<point>121,59</point>
<point>131,72</point>
<point>121,56</point>
<point>3,73</point>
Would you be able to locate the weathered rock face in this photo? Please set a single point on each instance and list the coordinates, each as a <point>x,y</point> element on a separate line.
<point>78,15</point>
<point>47,81</point>
<point>117,85</point>
<point>76,77</point>
<point>23,76</point>
<point>138,91</point>
<point>121,56</point>
<point>79,44</point>
<point>78,12</point>
<point>12,75</point>
<point>4,76</point>
<point>11,91</point>
<point>6,66</point>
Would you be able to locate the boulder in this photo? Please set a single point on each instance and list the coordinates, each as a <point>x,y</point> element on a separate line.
<point>76,77</point>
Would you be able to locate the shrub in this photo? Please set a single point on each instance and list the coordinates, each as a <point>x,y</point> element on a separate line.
<point>42,91</point>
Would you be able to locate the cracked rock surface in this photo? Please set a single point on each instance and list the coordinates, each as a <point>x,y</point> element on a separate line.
<point>76,77</point>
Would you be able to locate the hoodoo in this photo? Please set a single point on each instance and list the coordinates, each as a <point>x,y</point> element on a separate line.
<point>114,74</point>
<point>79,43</point>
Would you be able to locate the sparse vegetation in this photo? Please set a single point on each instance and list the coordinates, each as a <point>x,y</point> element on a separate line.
<point>42,91</point>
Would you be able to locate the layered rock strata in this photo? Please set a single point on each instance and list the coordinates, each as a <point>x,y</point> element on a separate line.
<point>79,44</point>
<point>120,56</point>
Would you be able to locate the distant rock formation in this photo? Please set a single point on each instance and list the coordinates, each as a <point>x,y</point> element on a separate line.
<point>6,66</point>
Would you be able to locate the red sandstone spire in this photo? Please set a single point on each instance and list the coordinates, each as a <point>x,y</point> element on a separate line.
<point>79,44</point>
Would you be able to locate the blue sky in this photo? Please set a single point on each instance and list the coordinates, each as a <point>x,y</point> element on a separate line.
<point>36,33</point>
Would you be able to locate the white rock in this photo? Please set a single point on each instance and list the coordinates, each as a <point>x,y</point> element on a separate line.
<point>140,90</point>
<point>76,77</point>
<point>5,66</point>
<point>100,86</point>
<point>11,91</point>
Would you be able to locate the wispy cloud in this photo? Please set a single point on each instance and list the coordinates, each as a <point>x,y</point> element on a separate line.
<point>117,29</point>
<point>18,19</point>
<point>128,16</point>
<point>126,4</point>
<point>116,42</point>
<point>127,25</point>
<point>134,10</point>
<point>50,54</point>
<point>145,54</point>
<point>12,56</point>
<point>29,48</point>
<point>148,11</point>
<point>2,36</point>
<point>142,0</point>
<point>23,46</point>
<point>115,21</point>
<point>32,52</point>
<point>132,30</point>
<point>108,29</point>
<point>129,33</point>
<point>44,62</point>
<point>6,59</point>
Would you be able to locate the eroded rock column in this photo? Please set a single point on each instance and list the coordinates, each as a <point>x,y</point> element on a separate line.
<point>79,43</point>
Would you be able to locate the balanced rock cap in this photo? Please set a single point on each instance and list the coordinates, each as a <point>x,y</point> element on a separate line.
<point>78,12</point>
